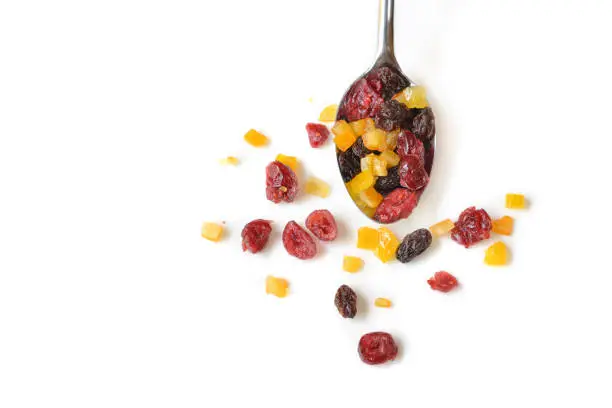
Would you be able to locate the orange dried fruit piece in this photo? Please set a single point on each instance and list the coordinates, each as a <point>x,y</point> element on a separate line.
<point>496,254</point>
<point>413,97</point>
<point>352,264</point>
<point>344,135</point>
<point>288,161</point>
<point>515,201</point>
<point>255,138</point>
<point>371,197</point>
<point>375,164</point>
<point>387,245</point>
<point>442,228</point>
<point>212,231</point>
<point>368,211</point>
<point>375,139</point>
<point>360,182</point>
<point>328,114</point>
<point>277,286</point>
<point>317,187</point>
<point>367,238</point>
<point>230,160</point>
<point>392,139</point>
<point>359,126</point>
<point>382,302</point>
<point>504,225</point>
<point>391,158</point>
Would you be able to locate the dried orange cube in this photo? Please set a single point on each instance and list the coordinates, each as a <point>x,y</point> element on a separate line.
<point>371,197</point>
<point>230,160</point>
<point>352,264</point>
<point>442,228</point>
<point>387,245</point>
<point>382,302</point>
<point>369,124</point>
<point>277,286</point>
<point>496,254</point>
<point>328,114</point>
<point>288,161</point>
<point>360,182</point>
<point>344,135</point>
<point>390,157</point>
<point>375,139</point>
<point>418,97</point>
<point>515,201</point>
<point>367,238</point>
<point>392,139</point>
<point>504,225</point>
<point>375,164</point>
<point>402,96</point>
<point>212,231</point>
<point>359,126</point>
<point>317,187</point>
<point>254,138</point>
<point>368,211</point>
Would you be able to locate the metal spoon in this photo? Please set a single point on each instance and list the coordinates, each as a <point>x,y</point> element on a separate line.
<point>377,94</point>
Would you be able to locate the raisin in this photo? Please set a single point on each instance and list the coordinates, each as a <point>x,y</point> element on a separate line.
<point>359,149</point>
<point>360,102</point>
<point>413,245</point>
<point>408,144</point>
<point>412,173</point>
<point>298,242</point>
<point>429,156</point>
<point>385,185</point>
<point>391,115</point>
<point>387,81</point>
<point>281,183</point>
<point>317,134</point>
<point>255,235</point>
<point>346,302</point>
<point>349,165</point>
<point>442,281</point>
<point>473,226</point>
<point>377,348</point>
<point>397,205</point>
<point>424,125</point>
<point>322,225</point>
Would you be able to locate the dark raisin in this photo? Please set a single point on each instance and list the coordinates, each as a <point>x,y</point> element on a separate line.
<point>255,235</point>
<point>472,226</point>
<point>408,144</point>
<point>387,81</point>
<point>377,348</point>
<point>413,245</point>
<point>443,281</point>
<point>346,302</point>
<point>281,183</point>
<point>391,115</point>
<point>360,102</point>
<point>385,185</point>
<point>298,242</point>
<point>424,125</point>
<point>322,225</point>
<point>349,165</point>
<point>412,173</point>
<point>359,149</point>
<point>317,134</point>
<point>397,205</point>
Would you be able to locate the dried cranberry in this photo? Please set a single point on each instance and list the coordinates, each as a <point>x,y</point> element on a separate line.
<point>413,245</point>
<point>391,115</point>
<point>346,302</point>
<point>407,144</point>
<point>322,225</point>
<point>443,281</point>
<point>360,102</point>
<point>412,173</point>
<point>397,205</point>
<point>298,242</point>
<point>424,125</point>
<point>359,149</point>
<point>386,184</point>
<point>281,183</point>
<point>387,81</point>
<point>377,348</point>
<point>317,134</point>
<point>348,164</point>
<point>473,226</point>
<point>255,235</point>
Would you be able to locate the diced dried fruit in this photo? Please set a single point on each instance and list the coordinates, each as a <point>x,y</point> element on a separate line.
<point>290,161</point>
<point>473,226</point>
<point>348,164</point>
<point>385,185</point>
<point>277,286</point>
<point>322,224</point>
<point>391,115</point>
<point>443,281</point>
<point>367,238</point>
<point>359,148</point>
<point>408,144</point>
<point>360,102</point>
<point>230,160</point>
<point>346,302</point>
<point>377,348</point>
<point>424,125</point>
<point>396,205</point>
<point>375,139</point>
<point>359,126</point>
<point>382,302</point>
<point>281,183</point>
<point>413,245</point>
<point>362,181</point>
<point>413,97</point>
<point>352,264</point>
<point>298,242</point>
<point>317,134</point>
<point>503,226</point>
<point>328,114</point>
<point>392,139</point>
<point>255,235</point>
<point>390,157</point>
<point>368,211</point>
<point>387,81</point>
<point>212,231</point>
<point>345,137</point>
<point>371,197</point>
<point>375,164</point>
<point>496,254</point>
<point>515,201</point>
<point>412,173</point>
<point>387,245</point>
<point>442,228</point>
<point>255,138</point>
<point>316,187</point>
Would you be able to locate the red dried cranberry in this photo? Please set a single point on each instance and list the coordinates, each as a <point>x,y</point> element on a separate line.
<point>473,226</point>
<point>397,205</point>
<point>322,225</point>
<point>298,242</point>
<point>442,281</point>
<point>407,144</point>
<point>255,235</point>
<point>317,134</point>
<point>359,102</point>
<point>412,173</point>
<point>377,348</point>
<point>281,183</point>
<point>387,81</point>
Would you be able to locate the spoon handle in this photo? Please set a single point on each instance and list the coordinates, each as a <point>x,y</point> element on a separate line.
<point>385,52</point>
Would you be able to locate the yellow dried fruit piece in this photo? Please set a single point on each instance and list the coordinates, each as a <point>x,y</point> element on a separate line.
<point>382,302</point>
<point>392,139</point>
<point>369,124</point>
<point>375,139</point>
<point>496,254</point>
<point>367,238</point>
<point>390,157</point>
<point>504,225</point>
<point>402,96</point>
<point>255,138</point>
<point>369,212</point>
<point>360,182</point>
<point>515,201</point>
<point>344,135</point>
<point>418,97</point>
<point>288,161</point>
<point>277,286</point>
<point>387,245</point>
<point>442,228</point>
<point>352,264</point>
<point>367,162</point>
<point>328,114</point>
<point>317,187</point>
<point>212,231</point>
<point>230,160</point>
<point>375,164</point>
<point>359,126</point>
<point>371,197</point>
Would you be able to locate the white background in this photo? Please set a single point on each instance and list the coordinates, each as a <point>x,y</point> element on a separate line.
<point>113,115</point>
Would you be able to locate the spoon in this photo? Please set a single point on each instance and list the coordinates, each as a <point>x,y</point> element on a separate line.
<point>385,134</point>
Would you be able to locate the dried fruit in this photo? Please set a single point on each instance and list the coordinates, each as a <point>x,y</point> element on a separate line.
<point>387,245</point>
<point>377,348</point>
<point>442,281</point>
<point>413,97</point>
<point>515,201</point>
<point>375,139</point>
<point>352,264</point>
<point>424,125</point>
<point>317,134</point>
<point>322,224</point>
<point>385,185</point>
<point>277,286</point>
<point>348,164</point>
<point>290,161</point>
<point>298,242</point>
<point>367,238</point>
<point>345,137</point>
<point>408,144</point>
<point>392,139</point>
<point>346,302</point>
<point>390,157</point>
<point>442,228</point>
<point>255,138</point>
<point>212,231</point>
<point>503,226</point>
<point>371,197</point>
<point>375,164</point>
<point>413,245</point>
<point>396,205</point>
<point>382,302</point>
<point>360,102</point>
<point>230,160</point>
<point>473,226</point>
<point>359,126</point>
<point>317,187</point>
<point>391,115</point>
<point>387,81</point>
<point>281,183</point>
<point>412,173</point>
<point>360,182</point>
<point>496,254</point>
<point>255,235</point>
<point>328,114</point>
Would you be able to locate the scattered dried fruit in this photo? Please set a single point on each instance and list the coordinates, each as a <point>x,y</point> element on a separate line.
<point>230,161</point>
<point>377,348</point>
<point>317,187</point>
<point>281,183</point>
<point>346,302</point>
<point>255,235</point>
<point>322,224</point>
<point>473,226</point>
<point>442,228</point>
<point>412,173</point>
<point>396,205</point>
<point>212,231</point>
<point>277,286</point>
<point>382,302</point>
<point>328,114</point>
<point>289,161</point>
<point>497,254</point>
<point>345,137</point>
<point>317,134</point>
<point>352,264</point>
<point>298,242</point>
<point>413,245</point>
<point>367,238</point>
<point>443,281</point>
<point>255,138</point>
<point>387,245</point>
<point>515,201</point>
<point>503,226</point>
